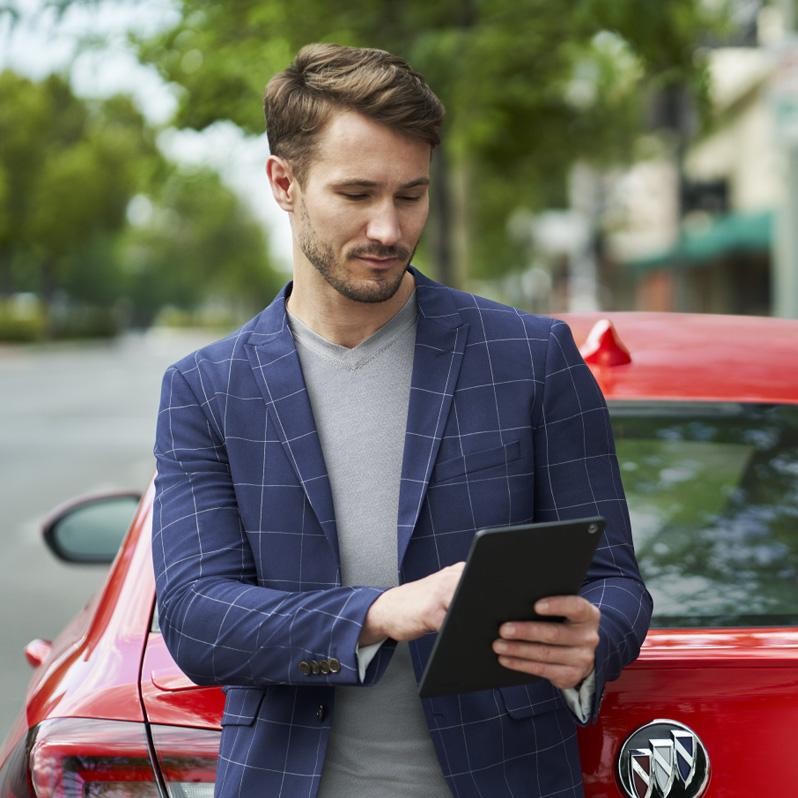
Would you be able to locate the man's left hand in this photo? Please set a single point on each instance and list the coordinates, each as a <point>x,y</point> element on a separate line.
<point>564,653</point>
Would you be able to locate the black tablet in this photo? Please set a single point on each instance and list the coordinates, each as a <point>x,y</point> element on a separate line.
<point>507,571</point>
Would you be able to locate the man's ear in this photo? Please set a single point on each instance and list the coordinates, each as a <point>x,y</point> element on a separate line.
<point>282,182</point>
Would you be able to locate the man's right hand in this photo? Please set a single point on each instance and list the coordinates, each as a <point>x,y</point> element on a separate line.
<point>412,609</point>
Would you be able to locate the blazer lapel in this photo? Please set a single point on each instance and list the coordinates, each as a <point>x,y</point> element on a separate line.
<point>275,363</point>
<point>440,343</point>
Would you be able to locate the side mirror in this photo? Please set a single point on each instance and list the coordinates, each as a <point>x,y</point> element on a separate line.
<point>89,530</point>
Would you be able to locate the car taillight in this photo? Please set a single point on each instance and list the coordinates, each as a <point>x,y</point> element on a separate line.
<point>71,757</point>
<point>85,758</point>
<point>187,759</point>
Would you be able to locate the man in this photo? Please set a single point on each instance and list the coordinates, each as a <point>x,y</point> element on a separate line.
<point>322,471</point>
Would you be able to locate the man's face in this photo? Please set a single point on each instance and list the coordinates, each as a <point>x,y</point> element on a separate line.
<point>362,208</point>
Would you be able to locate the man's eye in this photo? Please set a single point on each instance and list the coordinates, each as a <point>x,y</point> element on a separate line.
<point>409,199</point>
<point>355,196</point>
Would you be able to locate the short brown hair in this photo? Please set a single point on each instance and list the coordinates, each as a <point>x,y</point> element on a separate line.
<point>325,77</point>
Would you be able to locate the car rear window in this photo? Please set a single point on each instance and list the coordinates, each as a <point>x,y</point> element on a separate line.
<point>713,496</point>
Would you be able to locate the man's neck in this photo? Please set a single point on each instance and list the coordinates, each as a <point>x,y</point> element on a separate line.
<point>344,321</point>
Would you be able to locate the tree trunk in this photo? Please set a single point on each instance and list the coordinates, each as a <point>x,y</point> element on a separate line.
<point>460,227</point>
<point>47,293</point>
<point>440,217</point>
<point>6,278</point>
<point>449,219</point>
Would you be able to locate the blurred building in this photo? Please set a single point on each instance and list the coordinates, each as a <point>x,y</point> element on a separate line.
<point>692,228</point>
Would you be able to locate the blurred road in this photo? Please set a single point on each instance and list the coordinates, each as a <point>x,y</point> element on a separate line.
<point>75,418</point>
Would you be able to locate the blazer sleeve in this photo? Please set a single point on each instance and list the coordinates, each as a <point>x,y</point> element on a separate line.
<point>577,475</point>
<point>220,626</point>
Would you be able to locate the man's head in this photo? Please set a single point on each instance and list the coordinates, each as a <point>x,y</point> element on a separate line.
<point>351,133</point>
<point>325,78</point>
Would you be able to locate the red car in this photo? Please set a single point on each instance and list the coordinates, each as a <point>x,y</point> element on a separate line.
<point>705,411</point>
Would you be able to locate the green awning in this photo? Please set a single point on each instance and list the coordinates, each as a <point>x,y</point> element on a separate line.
<point>733,233</point>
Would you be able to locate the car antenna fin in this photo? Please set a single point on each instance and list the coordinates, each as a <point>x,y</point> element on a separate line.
<point>604,346</point>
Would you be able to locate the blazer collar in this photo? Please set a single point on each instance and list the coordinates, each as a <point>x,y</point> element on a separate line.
<point>275,364</point>
<point>440,343</point>
<point>441,337</point>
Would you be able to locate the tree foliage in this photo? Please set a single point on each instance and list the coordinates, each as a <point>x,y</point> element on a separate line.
<point>197,243</point>
<point>529,85</point>
<point>69,169</point>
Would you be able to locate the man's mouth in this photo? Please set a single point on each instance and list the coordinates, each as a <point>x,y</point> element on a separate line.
<point>380,260</point>
<point>377,261</point>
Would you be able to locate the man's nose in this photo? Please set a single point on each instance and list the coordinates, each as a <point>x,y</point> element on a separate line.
<point>384,225</point>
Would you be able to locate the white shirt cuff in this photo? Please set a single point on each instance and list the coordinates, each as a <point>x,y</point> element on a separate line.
<point>580,700</point>
<point>364,656</point>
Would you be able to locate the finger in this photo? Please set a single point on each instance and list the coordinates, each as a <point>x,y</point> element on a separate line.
<point>561,676</point>
<point>450,576</point>
<point>534,652</point>
<point>574,608</point>
<point>576,656</point>
<point>555,634</point>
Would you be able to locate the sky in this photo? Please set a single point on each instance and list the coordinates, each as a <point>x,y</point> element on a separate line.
<point>39,42</point>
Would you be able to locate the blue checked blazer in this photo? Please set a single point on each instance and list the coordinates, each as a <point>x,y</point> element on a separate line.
<point>505,425</point>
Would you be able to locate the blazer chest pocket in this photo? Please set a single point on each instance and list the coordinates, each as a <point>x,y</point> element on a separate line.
<point>242,706</point>
<point>474,462</point>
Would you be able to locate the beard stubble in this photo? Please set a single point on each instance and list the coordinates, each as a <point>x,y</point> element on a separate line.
<point>322,258</point>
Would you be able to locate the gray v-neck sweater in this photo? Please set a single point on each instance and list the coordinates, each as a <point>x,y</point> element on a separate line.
<point>380,745</point>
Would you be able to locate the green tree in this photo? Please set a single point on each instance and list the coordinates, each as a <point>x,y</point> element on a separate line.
<point>529,86</point>
<point>68,168</point>
<point>199,244</point>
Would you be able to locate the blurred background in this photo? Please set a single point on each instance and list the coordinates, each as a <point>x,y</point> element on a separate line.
<point>598,154</point>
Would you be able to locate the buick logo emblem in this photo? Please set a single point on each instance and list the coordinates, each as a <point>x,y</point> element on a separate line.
<point>663,759</point>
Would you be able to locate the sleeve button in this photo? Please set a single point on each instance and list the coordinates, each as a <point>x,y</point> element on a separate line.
<point>314,666</point>
<point>324,665</point>
<point>335,665</point>
<point>304,667</point>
